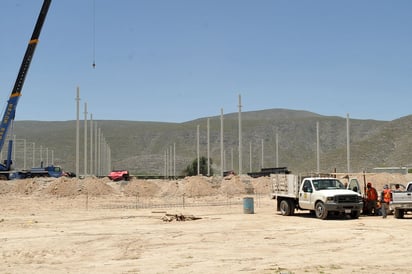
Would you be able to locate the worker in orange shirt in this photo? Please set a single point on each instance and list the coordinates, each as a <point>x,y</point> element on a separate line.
<point>371,200</point>
<point>386,197</point>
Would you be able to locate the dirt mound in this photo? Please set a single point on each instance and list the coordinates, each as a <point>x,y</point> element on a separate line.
<point>72,187</point>
<point>63,188</point>
<point>171,188</point>
<point>26,186</point>
<point>198,186</point>
<point>234,186</point>
<point>5,187</point>
<point>96,187</point>
<point>195,186</point>
<point>262,185</point>
<point>141,188</point>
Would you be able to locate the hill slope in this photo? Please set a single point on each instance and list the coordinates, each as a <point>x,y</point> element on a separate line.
<point>141,146</point>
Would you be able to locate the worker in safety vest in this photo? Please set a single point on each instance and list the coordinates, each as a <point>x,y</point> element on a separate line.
<point>371,200</point>
<point>386,197</point>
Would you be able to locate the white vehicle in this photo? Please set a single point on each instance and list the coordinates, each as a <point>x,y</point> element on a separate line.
<point>401,201</point>
<point>319,195</point>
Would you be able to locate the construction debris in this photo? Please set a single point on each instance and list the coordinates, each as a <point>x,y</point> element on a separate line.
<point>179,217</point>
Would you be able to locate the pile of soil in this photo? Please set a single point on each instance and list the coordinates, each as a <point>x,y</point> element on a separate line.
<point>232,186</point>
<point>170,188</point>
<point>198,186</point>
<point>191,187</point>
<point>261,185</point>
<point>26,186</point>
<point>141,188</point>
<point>63,187</point>
<point>5,187</point>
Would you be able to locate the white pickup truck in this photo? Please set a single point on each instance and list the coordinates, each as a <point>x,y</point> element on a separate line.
<point>401,201</point>
<point>319,195</point>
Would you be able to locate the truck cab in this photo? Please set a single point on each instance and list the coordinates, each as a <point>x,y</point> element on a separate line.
<point>48,171</point>
<point>319,195</point>
<point>118,175</point>
<point>324,195</point>
<point>354,186</point>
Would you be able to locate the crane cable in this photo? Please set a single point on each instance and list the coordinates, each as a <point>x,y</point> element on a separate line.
<point>94,34</point>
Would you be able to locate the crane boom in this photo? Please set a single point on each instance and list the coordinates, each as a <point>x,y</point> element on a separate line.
<point>10,110</point>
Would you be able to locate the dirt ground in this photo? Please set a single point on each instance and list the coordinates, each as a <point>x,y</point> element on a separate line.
<point>98,226</point>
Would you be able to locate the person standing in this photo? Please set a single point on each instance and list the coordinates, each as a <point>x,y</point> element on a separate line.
<point>386,196</point>
<point>371,200</point>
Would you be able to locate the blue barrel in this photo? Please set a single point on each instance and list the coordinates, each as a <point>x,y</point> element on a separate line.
<point>248,207</point>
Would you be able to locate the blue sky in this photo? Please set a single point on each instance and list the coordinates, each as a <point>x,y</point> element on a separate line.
<point>179,60</point>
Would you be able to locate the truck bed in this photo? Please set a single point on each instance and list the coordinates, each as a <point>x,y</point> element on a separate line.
<point>285,185</point>
<point>401,197</point>
<point>401,201</point>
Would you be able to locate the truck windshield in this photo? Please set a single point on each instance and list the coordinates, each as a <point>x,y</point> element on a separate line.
<point>320,184</point>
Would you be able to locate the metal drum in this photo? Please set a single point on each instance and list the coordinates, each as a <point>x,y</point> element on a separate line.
<point>248,207</point>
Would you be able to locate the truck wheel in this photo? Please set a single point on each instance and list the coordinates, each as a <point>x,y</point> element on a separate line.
<point>399,213</point>
<point>321,211</point>
<point>284,208</point>
<point>355,214</point>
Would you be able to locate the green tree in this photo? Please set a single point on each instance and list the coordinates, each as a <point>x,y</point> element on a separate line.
<point>191,170</point>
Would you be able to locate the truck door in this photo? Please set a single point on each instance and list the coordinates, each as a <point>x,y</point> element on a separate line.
<point>305,195</point>
<point>354,185</point>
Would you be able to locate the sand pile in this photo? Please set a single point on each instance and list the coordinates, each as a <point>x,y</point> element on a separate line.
<point>195,186</point>
<point>198,186</point>
<point>71,187</point>
<point>141,188</point>
<point>26,186</point>
<point>190,186</point>
<point>170,188</point>
<point>5,187</point>
<point>233,186</point>
<point>96,187</point>
<point>261,185</point>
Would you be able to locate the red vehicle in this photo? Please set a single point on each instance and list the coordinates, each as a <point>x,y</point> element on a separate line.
<point>118,175</point>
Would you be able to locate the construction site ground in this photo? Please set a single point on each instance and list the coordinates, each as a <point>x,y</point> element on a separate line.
<point>194,225</point>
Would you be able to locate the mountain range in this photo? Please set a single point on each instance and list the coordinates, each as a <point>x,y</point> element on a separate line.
<point>270,138</point>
